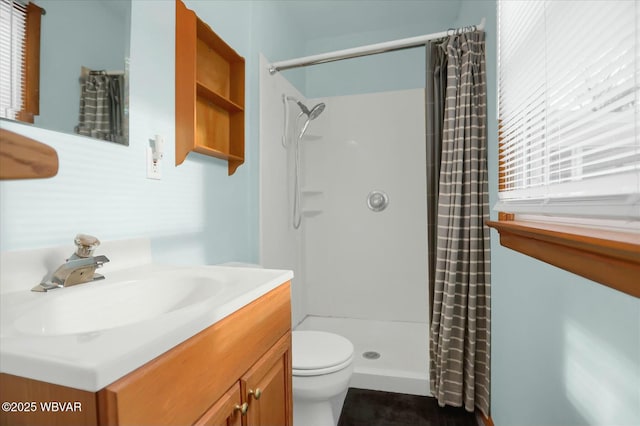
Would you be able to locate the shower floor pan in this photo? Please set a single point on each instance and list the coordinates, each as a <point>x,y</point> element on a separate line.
<point>389,356</point>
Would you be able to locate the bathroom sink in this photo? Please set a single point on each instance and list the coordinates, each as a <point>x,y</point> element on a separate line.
<point>115,303</point>
<point>90,335</point>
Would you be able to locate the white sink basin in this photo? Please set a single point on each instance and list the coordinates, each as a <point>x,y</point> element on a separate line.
<point>90,335</point>
<point>109,304</point>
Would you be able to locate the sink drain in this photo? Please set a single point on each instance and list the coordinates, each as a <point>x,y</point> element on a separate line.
<point>371,355</point>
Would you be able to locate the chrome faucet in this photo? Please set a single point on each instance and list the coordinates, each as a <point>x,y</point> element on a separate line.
<point>79,268</point>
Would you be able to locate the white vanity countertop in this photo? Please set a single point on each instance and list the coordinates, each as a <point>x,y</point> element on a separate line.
<point>85,356</point>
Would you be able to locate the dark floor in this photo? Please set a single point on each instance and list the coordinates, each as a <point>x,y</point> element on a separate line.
<point>375,408</point>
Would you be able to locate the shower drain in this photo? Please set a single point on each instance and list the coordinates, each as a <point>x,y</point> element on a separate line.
<point>371,355</point>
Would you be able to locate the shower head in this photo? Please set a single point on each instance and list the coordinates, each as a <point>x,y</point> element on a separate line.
<point>314,112</point>
<point>311,114</point>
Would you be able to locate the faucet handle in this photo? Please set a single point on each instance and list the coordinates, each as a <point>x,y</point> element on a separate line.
<point>85,244</point>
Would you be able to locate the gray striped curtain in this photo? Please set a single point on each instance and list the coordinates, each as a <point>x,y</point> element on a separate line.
<point>435,97</point>
<point>460,326</point>
<point>102,107</point>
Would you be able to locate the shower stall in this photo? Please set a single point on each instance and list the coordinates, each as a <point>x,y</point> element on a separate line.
<point>351,171</point>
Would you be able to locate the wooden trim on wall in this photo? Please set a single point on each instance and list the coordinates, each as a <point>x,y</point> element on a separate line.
<point>31,65</point>
<point>25,158</point>
<point>608,257</point>
<point>32,100</point>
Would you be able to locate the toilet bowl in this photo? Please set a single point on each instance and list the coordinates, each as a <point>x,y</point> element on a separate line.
<point>322,367</point>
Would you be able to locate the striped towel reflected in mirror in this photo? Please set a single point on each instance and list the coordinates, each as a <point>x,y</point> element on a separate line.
<point>101,105</point>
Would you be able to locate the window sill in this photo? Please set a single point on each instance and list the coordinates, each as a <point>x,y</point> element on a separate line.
<point>607,257</point>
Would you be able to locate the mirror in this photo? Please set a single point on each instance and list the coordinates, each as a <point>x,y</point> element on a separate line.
<point>84,49</point>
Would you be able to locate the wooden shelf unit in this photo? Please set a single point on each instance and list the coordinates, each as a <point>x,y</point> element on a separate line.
<point>210,78</point>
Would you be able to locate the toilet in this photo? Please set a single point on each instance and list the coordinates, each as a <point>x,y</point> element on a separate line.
<point>322,367</point>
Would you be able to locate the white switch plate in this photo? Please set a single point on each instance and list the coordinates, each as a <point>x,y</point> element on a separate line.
<point>153,170</point>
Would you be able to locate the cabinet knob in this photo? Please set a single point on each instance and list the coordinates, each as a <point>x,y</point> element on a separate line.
<point>256,394</point>
<point>242,408</point>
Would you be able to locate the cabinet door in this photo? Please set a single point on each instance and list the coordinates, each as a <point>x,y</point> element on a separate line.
<point>267,387</point>
<point>227,411</point>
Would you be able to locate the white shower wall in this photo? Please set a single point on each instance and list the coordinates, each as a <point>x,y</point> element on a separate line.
<point>357,273</point>
<point>348,260</point>
<point>279,243</point>
<point>358,263</point>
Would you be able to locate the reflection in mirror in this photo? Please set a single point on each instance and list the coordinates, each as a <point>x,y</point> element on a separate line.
<point>84,50</point>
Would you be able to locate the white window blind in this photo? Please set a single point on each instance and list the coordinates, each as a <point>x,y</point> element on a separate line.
<point>13,20</point>
<point>569,107</point>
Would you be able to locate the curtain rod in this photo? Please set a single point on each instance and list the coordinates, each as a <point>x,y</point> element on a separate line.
<point>371,49</point>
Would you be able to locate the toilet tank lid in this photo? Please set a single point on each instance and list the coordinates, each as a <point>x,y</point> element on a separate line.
<point>313,350</point>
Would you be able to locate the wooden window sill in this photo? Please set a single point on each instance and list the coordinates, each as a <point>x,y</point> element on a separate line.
<point>607,257</point>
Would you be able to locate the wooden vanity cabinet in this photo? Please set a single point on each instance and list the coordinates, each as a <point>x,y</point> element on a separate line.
<point>227,411</point>
<point>267,387</point>
<point>261,397</point>
<point>241,363</point>
<point>186,383</point>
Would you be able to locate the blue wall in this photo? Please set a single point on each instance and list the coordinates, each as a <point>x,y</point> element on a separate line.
<point>398,70</point>
<point>565,350</point>
<point>196,213</point>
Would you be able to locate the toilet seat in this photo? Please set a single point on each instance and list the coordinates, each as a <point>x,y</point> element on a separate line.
<point>317,352</point>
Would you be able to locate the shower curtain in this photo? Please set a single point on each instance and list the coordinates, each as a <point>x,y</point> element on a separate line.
<point>436,88</point>
<point>101,106</point>
<point>460,321</point>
